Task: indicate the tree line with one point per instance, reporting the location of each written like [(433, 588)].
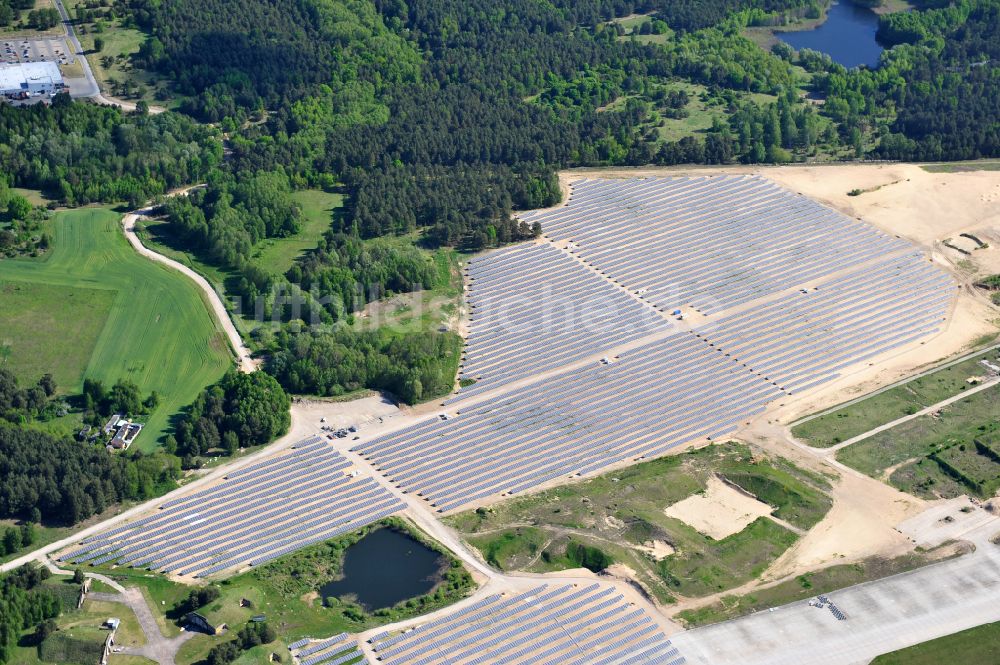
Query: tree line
[(19, 403), (80, 153), (412, 366), (226, 220), (22, 225), (239, 411), (10, 10), (47, 479)]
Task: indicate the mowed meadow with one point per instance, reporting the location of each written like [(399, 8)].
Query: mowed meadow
[(94, 308)]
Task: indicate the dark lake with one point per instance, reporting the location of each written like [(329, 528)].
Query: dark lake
[(847, 36), (384, 568)]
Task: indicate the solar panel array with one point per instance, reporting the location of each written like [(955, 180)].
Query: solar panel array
[(806, 291), (804, 339), (258, 513), (643, 403), (536, 308), (336, 650), (550, 625), (709, 242)]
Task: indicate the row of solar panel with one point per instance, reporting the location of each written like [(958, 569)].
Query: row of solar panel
[(276, 507), (711, 243), (564, 624), (642, 404), (551, 312)]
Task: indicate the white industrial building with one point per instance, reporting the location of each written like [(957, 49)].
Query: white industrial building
[(30, 77)]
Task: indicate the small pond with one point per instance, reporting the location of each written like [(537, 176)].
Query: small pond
[(847, 36), (384, 568)]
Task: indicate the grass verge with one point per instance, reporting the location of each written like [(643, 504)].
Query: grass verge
[(903, 400), (942, 455), (976, 646)]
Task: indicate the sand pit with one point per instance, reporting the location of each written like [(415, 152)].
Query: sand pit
[(720, 511), (658, 549)]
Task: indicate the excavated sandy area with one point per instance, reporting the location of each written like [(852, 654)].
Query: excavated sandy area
[(718, 512)]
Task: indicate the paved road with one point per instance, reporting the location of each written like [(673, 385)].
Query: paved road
[(91, 89), (883, 616)]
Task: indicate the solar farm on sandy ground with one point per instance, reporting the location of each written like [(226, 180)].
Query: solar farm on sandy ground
[(656, 312), (653, 313)]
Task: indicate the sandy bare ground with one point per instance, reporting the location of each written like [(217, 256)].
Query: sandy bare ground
[(860, 524), (719, 512), (658, 549)]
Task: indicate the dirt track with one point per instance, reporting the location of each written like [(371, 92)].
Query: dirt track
[(245, 360)]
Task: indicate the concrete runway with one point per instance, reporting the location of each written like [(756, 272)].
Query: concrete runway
[(882, 616)]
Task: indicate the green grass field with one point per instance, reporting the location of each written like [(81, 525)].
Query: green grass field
[(905, 451), (157, 332), (976, 646), (850, 421), (42, 321), (318, 209), (621, 513)]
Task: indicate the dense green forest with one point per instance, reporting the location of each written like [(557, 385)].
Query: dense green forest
[(446, 115), (24, 603), (240, 411), (82, 153), (414, 367), (10, 10), (45, 479)]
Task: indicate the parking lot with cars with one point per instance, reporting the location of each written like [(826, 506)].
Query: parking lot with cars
[(51, 49)]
